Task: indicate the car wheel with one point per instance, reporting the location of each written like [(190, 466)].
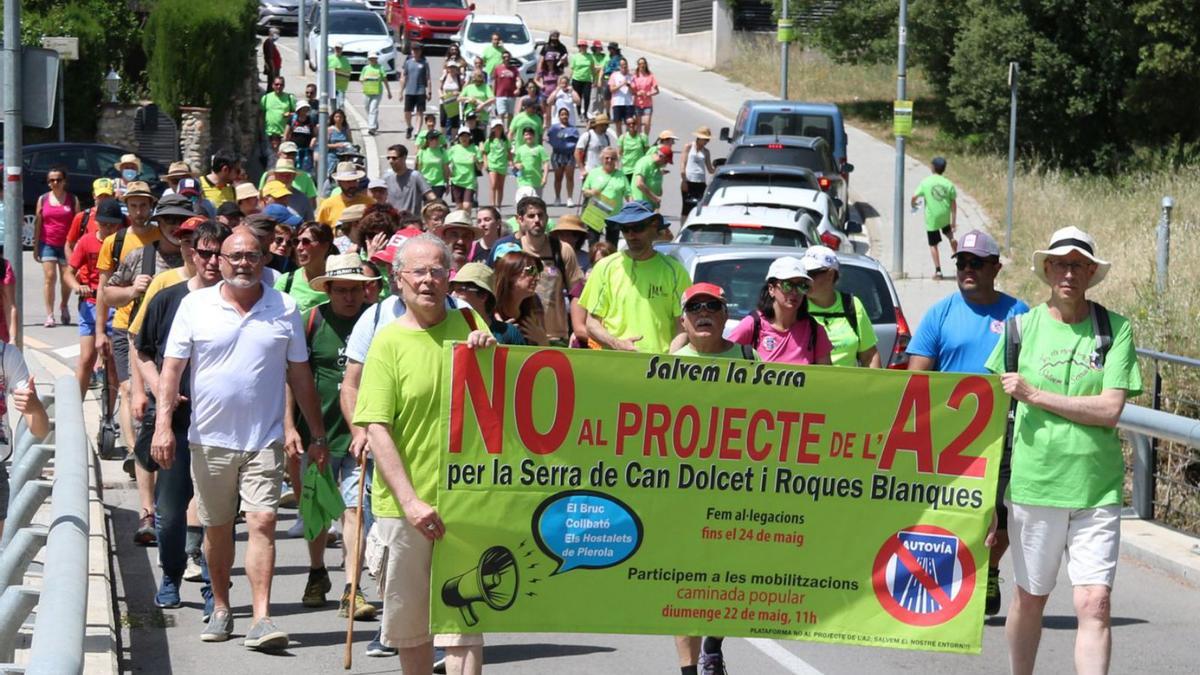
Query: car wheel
[(27, 232)]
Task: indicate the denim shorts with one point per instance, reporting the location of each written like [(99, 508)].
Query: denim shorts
[(52, 253), (87, 319)]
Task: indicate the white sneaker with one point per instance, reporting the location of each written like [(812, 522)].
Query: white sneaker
[(570, 203), (296, 531)]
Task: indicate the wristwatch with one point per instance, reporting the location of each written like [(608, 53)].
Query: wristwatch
[(320, 440)]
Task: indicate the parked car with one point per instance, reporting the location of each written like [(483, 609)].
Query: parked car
[(360, 31), (751, 226), (809, 152), (281, 14), (84, 162), (791, 118), (426, 21), (741, 271), (476, 34)]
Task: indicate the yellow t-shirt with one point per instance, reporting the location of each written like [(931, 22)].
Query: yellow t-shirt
[(637, 298), (331, 209), (215, 194), (106, 262), (161, 282)]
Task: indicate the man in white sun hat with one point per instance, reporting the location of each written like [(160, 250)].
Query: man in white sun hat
[(459, 231), (1070, 365)]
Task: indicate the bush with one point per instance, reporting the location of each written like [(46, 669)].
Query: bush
[(199, 52)]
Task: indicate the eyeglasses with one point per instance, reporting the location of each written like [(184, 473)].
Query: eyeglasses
[(425, 272), (305, 241), (252, 257), (531, 271), (635, 228), (1062, 266), (206, 255), (283, 241), (972, 262), (795, 286), (710, 306), (468, 288)]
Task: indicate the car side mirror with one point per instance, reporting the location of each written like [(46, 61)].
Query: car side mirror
[(847, 168), (854, 227), (725, 134), (720, 162)]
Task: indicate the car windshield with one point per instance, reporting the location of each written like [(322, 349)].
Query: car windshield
[(751, 235), (805, 181), (356, 23), (439, 4), (743, 281), (806, 158), (793, 124), (510, 33)]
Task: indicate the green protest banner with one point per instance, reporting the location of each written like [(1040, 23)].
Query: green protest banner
[(598, 208), (589, 491)]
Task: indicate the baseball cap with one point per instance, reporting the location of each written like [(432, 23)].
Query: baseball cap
[(188, 187), (283, 215), (276, 190), (787, 267), (979, 243), (819, 258), (702, 289), (376, 184), (597, 43), (288, 146), (102, 186), (189, 226), (581, 43), (667, 152), (110, 212)]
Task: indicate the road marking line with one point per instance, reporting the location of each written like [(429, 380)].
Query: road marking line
[(68, 352), (780, 654), (35, 343)]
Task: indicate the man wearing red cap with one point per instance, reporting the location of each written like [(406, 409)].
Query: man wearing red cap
[(648, 177)]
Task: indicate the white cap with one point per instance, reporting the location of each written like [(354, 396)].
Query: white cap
[(338, 44), (820, 258), (787, 267), (496, 122), (461, 131), (373, 54), (376, 183)]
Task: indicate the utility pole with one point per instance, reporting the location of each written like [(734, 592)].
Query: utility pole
[(323, 97), (898, 200), (575, 25), (784, 22), (14, 209), (301, 38), (1013, 69)]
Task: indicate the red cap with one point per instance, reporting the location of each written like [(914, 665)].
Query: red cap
[(597, 43), (666, 151), (189, 226), (711, 290), (582, 42)]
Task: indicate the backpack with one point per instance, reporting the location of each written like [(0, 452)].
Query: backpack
[(149, 253), (83, 223), (848, 311), (812, 331)]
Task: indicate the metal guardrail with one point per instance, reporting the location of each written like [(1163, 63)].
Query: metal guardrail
[(1147, 426), (61, 603)]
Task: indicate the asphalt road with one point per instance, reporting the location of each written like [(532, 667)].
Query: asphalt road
[(1155, 625)]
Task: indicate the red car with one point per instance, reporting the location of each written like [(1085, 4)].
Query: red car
[(426, 21)]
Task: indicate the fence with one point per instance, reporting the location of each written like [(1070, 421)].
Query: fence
[(61, 602)]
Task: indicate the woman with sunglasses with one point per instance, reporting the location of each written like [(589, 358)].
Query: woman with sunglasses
[(51, 221), (314, 243), (517, 303), (282, 248), (780, 330), (854, 342)]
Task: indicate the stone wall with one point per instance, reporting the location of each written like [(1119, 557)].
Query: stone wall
[(116, 126), (195, 137), (241, 131)]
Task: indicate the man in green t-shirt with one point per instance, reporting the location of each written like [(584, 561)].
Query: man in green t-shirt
[(632, 297), (399, 403), (647, 177), (1068, 470), (326, 329), (941, 211), (276, 105), (374, 82), (532, 161), (527, 119), (493, 54), (340, 66)]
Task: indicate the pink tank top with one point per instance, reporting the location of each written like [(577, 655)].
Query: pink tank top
[(56, 219)]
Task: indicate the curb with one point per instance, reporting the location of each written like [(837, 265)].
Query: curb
[(1162, 548), (100, 640)]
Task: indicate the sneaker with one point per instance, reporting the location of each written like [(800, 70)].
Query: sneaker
[(712, 664), (288, 500), (363, 610), (49, 323), (145, 536), (296, 531), (264, 635), (377, 648), (66, 316), (333, 539), (193, 572), (992, 604), (316, 588), (439, 660), (219, 628), (408, 133), (129, 464), (570, 203), (937, 274), (168, 594)]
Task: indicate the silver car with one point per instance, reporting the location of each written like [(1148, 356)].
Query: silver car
[(282, 14), (742, 270)]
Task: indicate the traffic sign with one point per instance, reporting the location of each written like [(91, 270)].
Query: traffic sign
[(924, 575), (902, 118), (67, 47), (39, 86)]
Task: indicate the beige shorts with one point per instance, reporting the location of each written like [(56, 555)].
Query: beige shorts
[(1040, 535), (222, 475), (405, 589)]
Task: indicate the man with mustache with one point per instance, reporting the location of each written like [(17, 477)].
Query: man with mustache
[(459, 233)]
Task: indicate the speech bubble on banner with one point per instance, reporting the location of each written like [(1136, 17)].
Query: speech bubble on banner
[(586, 529)]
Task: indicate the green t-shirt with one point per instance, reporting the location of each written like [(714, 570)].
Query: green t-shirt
[(433, 163), (275, 109), (613, 186), (326, 358), (341, 66), (846, 343), (633, 148), (651, 173), (582, 67), (939, 194), (295, 284), (462, 165), (634, 298), (402, 387), (735, 351), (522, 121), (1056, 462), (479, 93), (371, 78), (302, 182), (492, 56), (498, 151), (531, 159)]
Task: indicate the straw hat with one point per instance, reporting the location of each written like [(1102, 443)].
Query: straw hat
[(179, 170), (344, 267), (245, 191), (284, 165), (129, 158), (461, 219), (349, 171), (1063, 242), (703, 132), (476, 273), (138, 188), (569, 223), (352, 214)]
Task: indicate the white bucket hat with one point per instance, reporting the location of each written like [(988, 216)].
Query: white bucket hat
[(1064, 241), (344, 267)]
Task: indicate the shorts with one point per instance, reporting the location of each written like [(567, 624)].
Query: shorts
[(405, 589), (642, 112), (414, 102), (935, 238), (505, 105), (222, 475), (562, 159), (120, 351), (87, 319), (621, 113), (1038, 536), (51, 253), (459, 194)]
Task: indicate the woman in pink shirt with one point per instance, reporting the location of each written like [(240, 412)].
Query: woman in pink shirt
[(52, 220), (645, 88), (777, 330)]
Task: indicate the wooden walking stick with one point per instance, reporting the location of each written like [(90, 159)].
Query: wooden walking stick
[(356, 564)]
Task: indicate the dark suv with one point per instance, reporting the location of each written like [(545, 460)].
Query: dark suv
[(812, 153)]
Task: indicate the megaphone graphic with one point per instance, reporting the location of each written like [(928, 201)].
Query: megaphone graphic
[(494, 581)]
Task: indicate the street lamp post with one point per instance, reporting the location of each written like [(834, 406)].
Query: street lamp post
[(112, 84), (898, 196), (13, 198)]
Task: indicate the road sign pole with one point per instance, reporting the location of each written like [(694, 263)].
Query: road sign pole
[(1013, 69), (898, 197), (300, 36), (323, 97), (783, 52), (62, 106), (13, 199)]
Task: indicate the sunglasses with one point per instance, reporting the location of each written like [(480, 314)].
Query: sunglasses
[(635, 227), (795, 286), (531, 271), (468, 288), (393, 158), (305, 241), (207, 255), (973, 263), (710, 306), (283, 241)]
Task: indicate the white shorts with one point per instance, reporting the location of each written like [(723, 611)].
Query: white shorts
[(1039, 535), (505, 105)]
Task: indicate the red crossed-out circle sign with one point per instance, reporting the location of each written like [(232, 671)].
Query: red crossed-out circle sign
[(949, 607)]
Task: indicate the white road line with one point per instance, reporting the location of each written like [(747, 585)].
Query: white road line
[(779, 654), (68, 352)]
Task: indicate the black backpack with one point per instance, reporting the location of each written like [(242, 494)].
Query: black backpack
[(848, 311)]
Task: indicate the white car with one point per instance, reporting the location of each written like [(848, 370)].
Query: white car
[(797, 205), (476, 34), (754, 226), (360, 31)]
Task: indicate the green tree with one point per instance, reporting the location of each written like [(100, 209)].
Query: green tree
[(1164, 96)]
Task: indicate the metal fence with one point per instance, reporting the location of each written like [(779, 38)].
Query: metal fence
[(61, 602)]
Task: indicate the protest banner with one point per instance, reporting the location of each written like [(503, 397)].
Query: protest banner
[(589, 491)]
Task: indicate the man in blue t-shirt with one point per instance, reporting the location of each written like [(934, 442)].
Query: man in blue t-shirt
[(958, 335)]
